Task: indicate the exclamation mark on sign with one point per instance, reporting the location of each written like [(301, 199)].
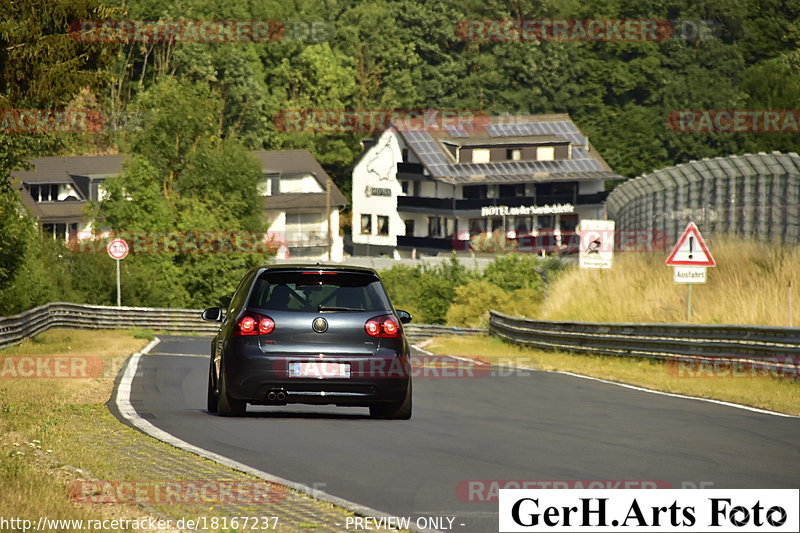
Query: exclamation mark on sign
[(691, 246)]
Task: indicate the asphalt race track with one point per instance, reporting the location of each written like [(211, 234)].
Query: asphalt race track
[(534, 426)]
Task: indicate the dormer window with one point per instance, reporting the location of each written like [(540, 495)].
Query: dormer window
[(52, 192), (481, 155), (545, 153)]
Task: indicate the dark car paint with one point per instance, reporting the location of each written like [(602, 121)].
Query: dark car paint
[(256, 365)]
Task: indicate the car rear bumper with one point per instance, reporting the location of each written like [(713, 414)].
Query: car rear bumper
[(372, 378)]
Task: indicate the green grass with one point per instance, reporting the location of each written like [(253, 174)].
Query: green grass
[(41, 421), (749, 285), (57, 431), (776, 394)]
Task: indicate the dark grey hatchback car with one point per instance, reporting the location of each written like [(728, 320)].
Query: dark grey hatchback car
[(310, 334)]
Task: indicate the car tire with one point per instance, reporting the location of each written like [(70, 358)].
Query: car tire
[(211, 403), (393, 410), (227, 406)]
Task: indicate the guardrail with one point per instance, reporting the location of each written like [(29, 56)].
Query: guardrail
[(15, 329), (764, 346)]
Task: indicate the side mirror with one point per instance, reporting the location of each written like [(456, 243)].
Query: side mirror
[(213, 314), (404, 316)]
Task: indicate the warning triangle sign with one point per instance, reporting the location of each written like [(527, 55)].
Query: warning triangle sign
[(691, 250)]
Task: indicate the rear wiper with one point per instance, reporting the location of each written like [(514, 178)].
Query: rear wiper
[(327, 308)]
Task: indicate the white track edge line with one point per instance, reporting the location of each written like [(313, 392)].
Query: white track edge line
[(127, 411), (642, 389)]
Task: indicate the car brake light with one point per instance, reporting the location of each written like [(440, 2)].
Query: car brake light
[(384, 326), (254, 324), (266, 325)]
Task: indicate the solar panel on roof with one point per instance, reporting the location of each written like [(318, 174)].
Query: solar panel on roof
[(456, 131)]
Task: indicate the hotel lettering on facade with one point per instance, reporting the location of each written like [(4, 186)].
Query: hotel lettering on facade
[(530, 179)]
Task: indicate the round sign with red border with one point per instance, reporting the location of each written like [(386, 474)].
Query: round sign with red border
[(118, 249)]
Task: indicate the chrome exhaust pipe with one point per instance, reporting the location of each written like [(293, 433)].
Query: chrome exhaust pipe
[(271, 396), (281, 396)]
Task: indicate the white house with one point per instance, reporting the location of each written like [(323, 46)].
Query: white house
[(301, 203), (530, 177)]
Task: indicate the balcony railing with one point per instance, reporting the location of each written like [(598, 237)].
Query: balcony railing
[(426, 242), (515, 201), (409, 168)]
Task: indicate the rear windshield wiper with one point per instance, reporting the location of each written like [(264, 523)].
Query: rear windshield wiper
[(327, 308)]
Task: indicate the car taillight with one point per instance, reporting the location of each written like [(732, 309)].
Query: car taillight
[(254, 324), (384, 326)]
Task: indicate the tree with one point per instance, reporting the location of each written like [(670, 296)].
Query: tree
[(185, 179), (42, 69)]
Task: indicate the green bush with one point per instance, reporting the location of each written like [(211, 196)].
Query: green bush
[(517, 271), (473, 301), (426, 291), (450, 293)]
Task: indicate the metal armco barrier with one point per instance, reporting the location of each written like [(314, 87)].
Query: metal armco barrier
[(15, 329), (760, 345)]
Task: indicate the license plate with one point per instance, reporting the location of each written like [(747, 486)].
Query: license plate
[(319, 370)]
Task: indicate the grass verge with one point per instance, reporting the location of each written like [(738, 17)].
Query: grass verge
[(776, 394), (58, 431)]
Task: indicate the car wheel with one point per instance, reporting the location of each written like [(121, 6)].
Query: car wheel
[(394, 410), (211, 403), (227, 406)]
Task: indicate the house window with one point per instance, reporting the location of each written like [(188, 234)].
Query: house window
[(568, 223), (434, 226), (475, 191), (57, 231), (101, 191), (383, 225), (366, 224), (305, 228), (481, 155), (47, 192), (405, 155), (409, 228), (405, 186), (512, 191), (522, 225), (545, 153), (417, 188), (477, 225), (514, 154), (544, 222), (264, 186)]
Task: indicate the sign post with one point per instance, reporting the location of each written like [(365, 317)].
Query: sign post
[(690, 257), (118, 250)]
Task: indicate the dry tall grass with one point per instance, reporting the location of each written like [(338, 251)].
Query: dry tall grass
[(749, 285)]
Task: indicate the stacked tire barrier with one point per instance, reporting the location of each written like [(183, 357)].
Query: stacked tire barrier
[(15, 329), (759, 346)]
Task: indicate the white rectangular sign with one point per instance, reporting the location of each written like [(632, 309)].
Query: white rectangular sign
[(690, 275), (597, 243), (644, 510)]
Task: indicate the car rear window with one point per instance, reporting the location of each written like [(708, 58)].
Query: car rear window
[(332, 291)]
